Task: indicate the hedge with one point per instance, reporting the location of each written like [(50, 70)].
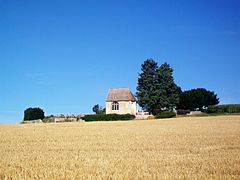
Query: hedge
[(48, 120), (165, 114), (108, 117), (228, 108)]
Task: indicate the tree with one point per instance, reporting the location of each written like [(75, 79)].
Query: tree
[(103, 111), (33, 113), (156, 88), (197, 98), (168, 92), (98, 109), (146, 93)]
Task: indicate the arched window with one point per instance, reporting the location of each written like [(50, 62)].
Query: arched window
[(115, 106)]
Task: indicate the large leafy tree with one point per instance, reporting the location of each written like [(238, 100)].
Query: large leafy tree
[(33, 114), (156, 88), (197, 98), (146, 91), (168, 92)]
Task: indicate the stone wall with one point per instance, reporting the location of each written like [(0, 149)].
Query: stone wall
[(37, 121)]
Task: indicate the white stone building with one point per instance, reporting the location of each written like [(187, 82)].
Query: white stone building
[(121, 101)]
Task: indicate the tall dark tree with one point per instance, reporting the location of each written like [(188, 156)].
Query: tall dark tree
[(146, 91), (168, 92), (98, 109), (197, 98), (33, 114), (156, 88)]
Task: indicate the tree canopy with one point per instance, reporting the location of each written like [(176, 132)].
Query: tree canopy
[(146, 93), (98, 109), (197, 98), (156, 88), (168, 92), (33, 114)]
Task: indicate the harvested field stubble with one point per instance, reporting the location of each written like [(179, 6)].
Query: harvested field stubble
[(197, 147)]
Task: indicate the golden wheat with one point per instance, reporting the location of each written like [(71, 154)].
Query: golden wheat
[(182, 148)]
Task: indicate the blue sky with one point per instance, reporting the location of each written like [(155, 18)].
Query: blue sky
[(63, 55)]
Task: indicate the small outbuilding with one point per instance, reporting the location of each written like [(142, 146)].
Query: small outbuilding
[(121, 101)]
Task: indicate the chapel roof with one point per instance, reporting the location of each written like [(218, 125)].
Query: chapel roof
[(120, 94)]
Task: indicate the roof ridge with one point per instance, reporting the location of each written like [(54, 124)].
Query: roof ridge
[(120, 94)]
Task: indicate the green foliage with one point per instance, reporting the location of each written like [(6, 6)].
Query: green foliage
[(147, 97), (108, 117), (165, 114), (98, 109), (229, 108), (103, 111), (48, 120), (167, 91), (33, 114), (197, 98), (156, 88)]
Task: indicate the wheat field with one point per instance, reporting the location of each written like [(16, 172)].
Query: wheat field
[(180, 148)]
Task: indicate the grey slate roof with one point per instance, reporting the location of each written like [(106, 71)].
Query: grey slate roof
[(120, 94)]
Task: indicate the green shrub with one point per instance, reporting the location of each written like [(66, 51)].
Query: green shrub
[(165, 114), (228, 108), (48, 120), (33, 114), (108, 117)]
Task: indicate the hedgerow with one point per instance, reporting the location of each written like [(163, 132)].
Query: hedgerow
[(165, 114), (228, 108), (108, 117)]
